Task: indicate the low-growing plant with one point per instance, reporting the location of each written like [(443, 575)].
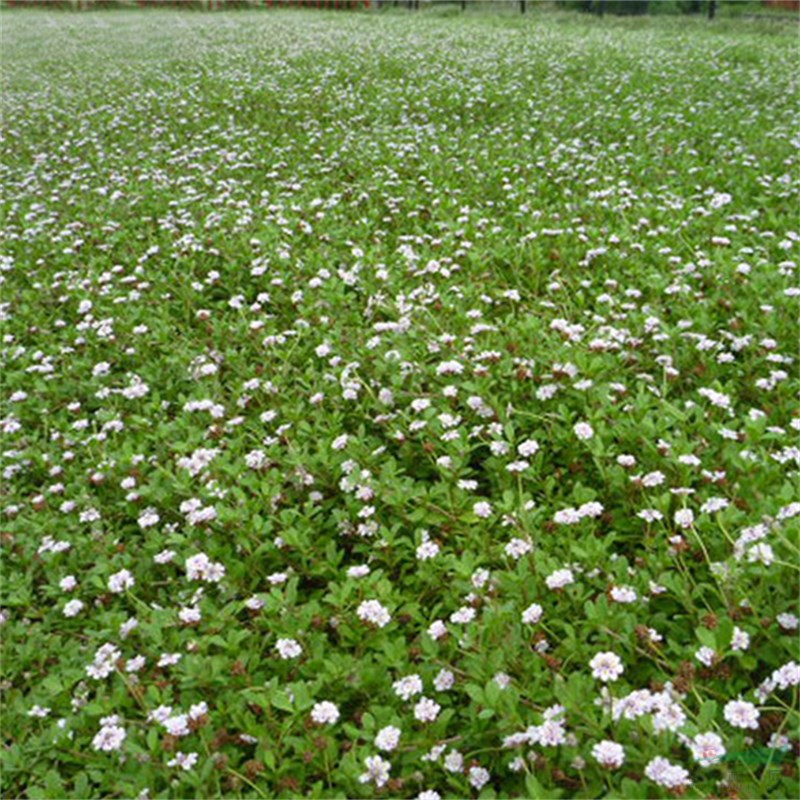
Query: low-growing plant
[(398, 406)]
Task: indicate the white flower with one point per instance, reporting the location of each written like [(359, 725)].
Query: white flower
[(532, 614), (482, 509), (105, 660), (426, 710), (177, 725), (340, 442), (706, 656), (408, 686), (653, 479), (684, 518), (160, 714), (559, 579), (669, 717), (517, 548), (359, 571), (606, 667), (449, 368), (73, 608), (68, 584), (623, 594), (135, 664), (707, 749), (120, 581), (377, 771), (183, 760), (387, 738), (666, 774), (715, 398), (761, 552), (371, 611), (148, 518), (714, 504), (200, 568), (740, 640), (567, 516), (288, 648), (255, 459), (444, 680), (502, 679), (741, 714), (454, 761), (478, 777), (789, 622), (190, 615), (427, 550), (109, 738), (591, 509), (550, 733), (480, 577), (437, 629), (609, 754), (324, 713), (463, 615), (528, 448), (584, 431)]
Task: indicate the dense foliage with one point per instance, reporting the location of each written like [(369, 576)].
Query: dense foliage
[(399, 407)]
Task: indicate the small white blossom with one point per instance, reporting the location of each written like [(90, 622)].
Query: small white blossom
[(606, 666), (109, 738), (707, 749), (706, 656), (740, 640), (559, 579), (408, 686), (372, 612), (666, 774), (288, 648), (532, 614), (73, 608), (478, 777), (426, 710), (325, 713), (120, 581), (482, 509), (444, 680), (387, 738), (741, 714), (377, 771), (609, 754)]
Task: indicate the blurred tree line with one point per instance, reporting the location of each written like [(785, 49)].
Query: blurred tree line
[(598, 7)]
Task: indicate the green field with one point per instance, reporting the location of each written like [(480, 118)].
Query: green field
[(399, 405)]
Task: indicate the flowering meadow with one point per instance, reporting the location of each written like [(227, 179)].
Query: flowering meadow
[(399, 406)]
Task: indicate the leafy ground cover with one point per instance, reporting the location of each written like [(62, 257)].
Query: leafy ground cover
[(399, 406)]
